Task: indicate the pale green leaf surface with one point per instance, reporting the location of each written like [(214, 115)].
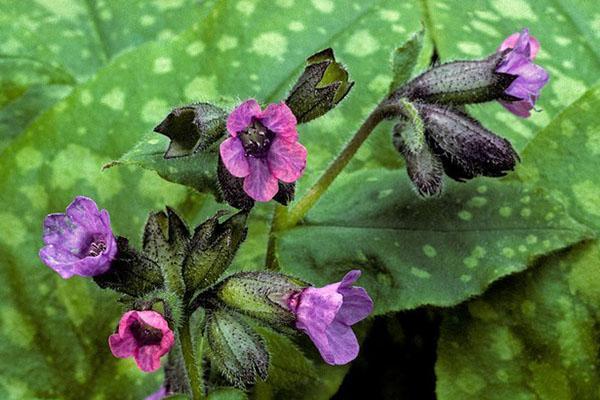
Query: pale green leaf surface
[(535, 336), (63, 43), (415, 252)]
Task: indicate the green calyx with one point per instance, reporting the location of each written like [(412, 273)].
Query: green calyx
[(323, 84)]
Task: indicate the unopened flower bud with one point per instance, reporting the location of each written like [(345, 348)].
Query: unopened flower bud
[(192, 128), (459, 82), (423, 167), (322, 85), (235, 348), (464, 146), (263, 295), (212, 249)]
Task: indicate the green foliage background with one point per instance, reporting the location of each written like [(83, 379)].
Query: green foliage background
[(82, 81)]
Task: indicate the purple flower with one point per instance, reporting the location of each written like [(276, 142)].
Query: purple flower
[(263, 148), (525, 89), (326, 315), (143, 335), (79, 242), (159, 394)]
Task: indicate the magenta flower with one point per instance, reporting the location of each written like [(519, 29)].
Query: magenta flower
[(143, 335), (531, 78), (326, 315), (159, 394), (79, 242), (263, 148)]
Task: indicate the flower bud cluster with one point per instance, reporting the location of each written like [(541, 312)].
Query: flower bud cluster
[(456, 143)]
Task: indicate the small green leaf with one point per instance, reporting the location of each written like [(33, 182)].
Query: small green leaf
[(404, 59), (227, 394), (414, 252), (197, 170)]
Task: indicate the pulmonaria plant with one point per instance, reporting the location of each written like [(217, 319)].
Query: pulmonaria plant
[(263, 148), (80, 241), (175, 287)]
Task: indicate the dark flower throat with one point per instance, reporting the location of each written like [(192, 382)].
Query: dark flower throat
[(256, 140), (145, 335)]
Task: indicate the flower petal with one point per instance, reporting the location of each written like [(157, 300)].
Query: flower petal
[(281, 120), (234, 157), (159, 394), (260, 184), (357, 305), (147, 358), (350, 277), (343, 345), (242, 115), (522, 42), (287, 160), (317, 308), (84, 212), (60, 260), (121, 347)]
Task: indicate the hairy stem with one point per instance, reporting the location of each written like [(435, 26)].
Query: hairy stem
[(383, 111), (279, 216), (282, 219), (191, 363)]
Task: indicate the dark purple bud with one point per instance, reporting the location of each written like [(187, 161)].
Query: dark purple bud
[(192, 128), (322, 85), (465, 148), (459, 82)]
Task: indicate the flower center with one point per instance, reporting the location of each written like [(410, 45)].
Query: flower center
[(96, 248), (145, 335), (256, 140)]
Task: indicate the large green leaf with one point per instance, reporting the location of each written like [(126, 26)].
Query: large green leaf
[(61, 153), (47, 47), (569, 51), (536, 335), (415, 252)]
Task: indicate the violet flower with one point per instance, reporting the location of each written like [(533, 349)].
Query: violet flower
[(159, 394), (143, 335), (79, 242), (531, 78), (326, 315), (263, 148)]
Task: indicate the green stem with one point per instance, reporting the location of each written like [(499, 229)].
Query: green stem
[(279, 216), (383, 111), (189, 359)]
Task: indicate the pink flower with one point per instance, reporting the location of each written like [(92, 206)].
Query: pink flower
[(263, 148), (143, 335), (531, 78), (326, 314), (159, 394)]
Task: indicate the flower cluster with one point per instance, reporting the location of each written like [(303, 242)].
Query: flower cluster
[(436, 135), (169, 249)]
